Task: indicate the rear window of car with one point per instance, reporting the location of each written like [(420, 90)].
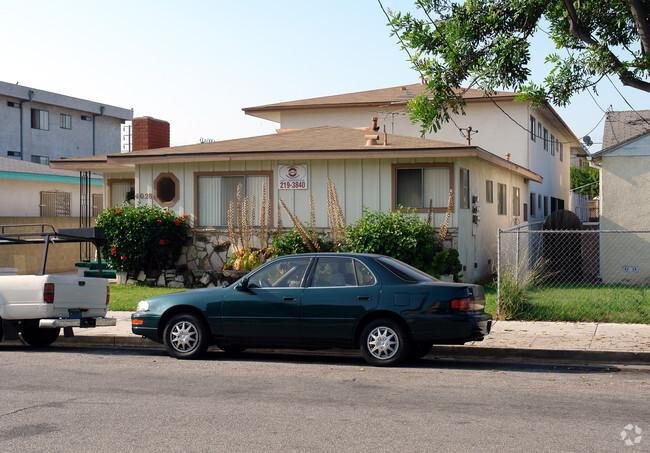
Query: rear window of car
[(404, 271)]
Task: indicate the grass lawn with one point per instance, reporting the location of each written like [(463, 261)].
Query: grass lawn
[(623, 304), (126, 297), (545, 303)]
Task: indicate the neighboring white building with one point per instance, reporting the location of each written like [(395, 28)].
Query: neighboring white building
[(538, 140), (34, 190), (39, 126)]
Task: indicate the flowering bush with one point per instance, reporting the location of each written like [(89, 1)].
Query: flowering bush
[(142, 237)]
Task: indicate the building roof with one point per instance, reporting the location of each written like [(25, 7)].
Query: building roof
[(399, 95), (634, 150), (23, 93), (324, 142), (622, 126), (20, 169)]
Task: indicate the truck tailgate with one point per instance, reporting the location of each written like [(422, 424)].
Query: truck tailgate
[(21, 296)]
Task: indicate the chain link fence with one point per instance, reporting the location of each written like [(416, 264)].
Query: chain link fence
[(573, 275)]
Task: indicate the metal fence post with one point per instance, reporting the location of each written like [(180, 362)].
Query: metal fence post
[(499, 273)]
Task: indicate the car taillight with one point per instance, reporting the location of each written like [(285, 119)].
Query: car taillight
[(461, 304), (108, 294), (48, 293)]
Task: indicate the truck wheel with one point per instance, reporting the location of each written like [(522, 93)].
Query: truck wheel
[(384, 343), (37, 337), (185, 336)]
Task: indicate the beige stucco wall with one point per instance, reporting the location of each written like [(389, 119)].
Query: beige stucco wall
[(23, 197), (359, 183), (625, 192), (28, 259), (497, 133)]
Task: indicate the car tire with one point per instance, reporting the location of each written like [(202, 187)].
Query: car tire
[(185, 336), (384, 342), (37, 337)]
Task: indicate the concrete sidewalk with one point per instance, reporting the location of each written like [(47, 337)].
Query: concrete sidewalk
[(509, 340)]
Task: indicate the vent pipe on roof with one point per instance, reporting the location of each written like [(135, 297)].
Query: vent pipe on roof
[(385, 135), (371, 139), (374, 124), (508, 156)]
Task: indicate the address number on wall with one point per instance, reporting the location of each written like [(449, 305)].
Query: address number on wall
[(143, 196)]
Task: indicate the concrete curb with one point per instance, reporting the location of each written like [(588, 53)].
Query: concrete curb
[(438, 352)]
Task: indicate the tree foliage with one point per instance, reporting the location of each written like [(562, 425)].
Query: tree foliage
[(585, 180), (485, 44)]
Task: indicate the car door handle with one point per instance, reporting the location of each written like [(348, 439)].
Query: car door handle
[(290, 299), (364, 297)]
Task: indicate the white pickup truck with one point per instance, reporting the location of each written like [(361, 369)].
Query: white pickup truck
[(38, 306)]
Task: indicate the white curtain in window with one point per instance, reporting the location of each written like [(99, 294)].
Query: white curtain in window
[(118, 192), (209, 201), (254, 186), (436, 186)]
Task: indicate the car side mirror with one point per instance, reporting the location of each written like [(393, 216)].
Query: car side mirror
[(242, 285)]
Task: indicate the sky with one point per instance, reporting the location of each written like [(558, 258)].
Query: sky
[(197, 63)]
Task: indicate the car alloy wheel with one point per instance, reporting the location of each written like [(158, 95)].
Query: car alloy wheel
[(185, 336), (384, 343)]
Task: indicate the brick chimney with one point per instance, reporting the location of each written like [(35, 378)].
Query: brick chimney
[(149, 133)]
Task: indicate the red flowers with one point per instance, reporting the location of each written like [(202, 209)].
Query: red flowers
[(117, 211), (161, 242), (113, 251), (124, 258), (178, 222)]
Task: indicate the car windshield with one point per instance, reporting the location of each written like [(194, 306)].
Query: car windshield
[(404, 271)]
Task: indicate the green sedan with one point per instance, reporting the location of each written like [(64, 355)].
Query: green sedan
[(388, 309)]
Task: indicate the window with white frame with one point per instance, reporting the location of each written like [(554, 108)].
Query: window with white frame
[(215, 192), (533, 128), (516, 202), (417, 185), (502, 199), (489, 192), (66, 121), (552, 145), (545, 139), (464, 188), (40, 119), (545, 205), (561, 152), (43, 160), (533, 205), (539, 129)]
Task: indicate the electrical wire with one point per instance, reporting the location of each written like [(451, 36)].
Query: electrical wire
[(532, 133)]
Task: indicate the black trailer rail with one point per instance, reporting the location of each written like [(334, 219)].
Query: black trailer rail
[(43, 233)]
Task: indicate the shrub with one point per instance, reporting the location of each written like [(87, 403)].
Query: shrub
[(515, 283), (405, 236), (290, 242), (142, 237)]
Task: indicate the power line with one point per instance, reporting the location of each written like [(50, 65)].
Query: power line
[(629, 105), (486, 94)]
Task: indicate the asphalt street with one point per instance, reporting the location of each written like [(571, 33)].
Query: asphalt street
[(98, 399)]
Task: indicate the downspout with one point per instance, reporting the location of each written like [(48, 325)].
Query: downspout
[(101, 113), (30, 95)]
